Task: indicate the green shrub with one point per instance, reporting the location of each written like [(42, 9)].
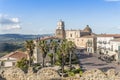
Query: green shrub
[(71, 73), (66, 71), (57, 63), (76, 70), (81, 72)]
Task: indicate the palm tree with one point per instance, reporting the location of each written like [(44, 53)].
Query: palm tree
[(53, 46), (64, 50), (30, 48), (43, 49), (71, 48)]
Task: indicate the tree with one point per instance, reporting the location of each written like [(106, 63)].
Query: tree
[(30, 48), (44, 48), (51, 57), (71, 48), (23, 64), (63, 51), (53, 47)]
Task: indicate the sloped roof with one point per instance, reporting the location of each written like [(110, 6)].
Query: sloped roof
[(17, 54)]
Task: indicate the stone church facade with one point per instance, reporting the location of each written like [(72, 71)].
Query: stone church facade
[(83, 39)]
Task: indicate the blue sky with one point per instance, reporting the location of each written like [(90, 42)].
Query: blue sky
[(41, 16)]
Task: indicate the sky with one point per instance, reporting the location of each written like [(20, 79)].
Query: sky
[(41, 16)]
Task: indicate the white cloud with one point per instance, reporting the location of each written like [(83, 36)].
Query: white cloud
[(11, 27), (112, 0), (8, 23)]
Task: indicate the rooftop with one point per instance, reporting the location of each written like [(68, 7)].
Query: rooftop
[(109, 35), (116, 40), (17, 54)]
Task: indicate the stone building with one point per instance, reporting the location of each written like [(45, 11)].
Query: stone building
[(79, 37), (88, 43)]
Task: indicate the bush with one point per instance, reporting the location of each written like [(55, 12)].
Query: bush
[(76, 70), (71, 73), (81, 72), (57, 63)]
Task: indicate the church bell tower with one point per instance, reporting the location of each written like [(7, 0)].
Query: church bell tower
[(60, 31)]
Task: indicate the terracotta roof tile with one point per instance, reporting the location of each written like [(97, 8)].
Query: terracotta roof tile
[(17, 54)]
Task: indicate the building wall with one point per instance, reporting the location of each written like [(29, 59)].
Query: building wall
[(60, 33), (8, 62), (103, 44), (114, 48), (37, 56), (81, 42), (91, 45), (74, 33), (77, 36), (84, 42)]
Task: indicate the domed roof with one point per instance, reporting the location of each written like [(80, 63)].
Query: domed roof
[(87, 29)]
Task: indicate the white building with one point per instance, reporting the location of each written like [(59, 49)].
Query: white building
[(114, 48), (103, 42), (11, 58)]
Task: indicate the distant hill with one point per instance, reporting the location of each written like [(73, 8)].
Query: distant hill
[(13, 42), (19, 37)]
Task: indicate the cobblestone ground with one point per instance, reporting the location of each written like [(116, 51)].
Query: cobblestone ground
[(88, 62)]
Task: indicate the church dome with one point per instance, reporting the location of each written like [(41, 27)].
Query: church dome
[(87, 29)]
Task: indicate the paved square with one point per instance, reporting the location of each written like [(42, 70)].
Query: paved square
[(91, 62)]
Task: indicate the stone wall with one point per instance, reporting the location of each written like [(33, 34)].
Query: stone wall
[(14, 73), (51, 74), (47, 74)]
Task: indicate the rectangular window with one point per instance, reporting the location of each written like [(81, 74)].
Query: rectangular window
[(70, 35)]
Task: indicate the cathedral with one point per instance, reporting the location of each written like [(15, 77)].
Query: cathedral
[(81, 38), (62, 33)]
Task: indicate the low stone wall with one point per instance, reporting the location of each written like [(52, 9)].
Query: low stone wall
[(47, 74), (96, 74), (14, 74), (51, 74)]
